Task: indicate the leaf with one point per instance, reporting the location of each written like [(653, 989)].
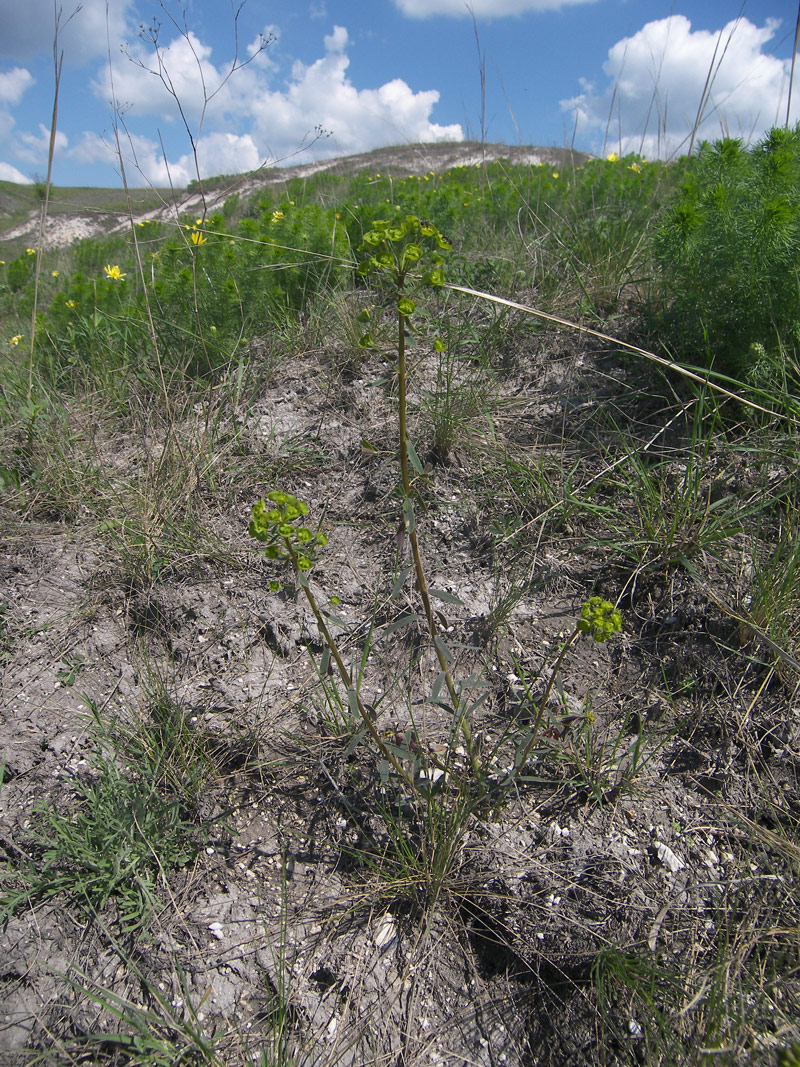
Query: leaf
[(404, 620), (446, 598), (355, 741), (408, 515), (400, 581), (443, 647), (413, 457), (436, 688)]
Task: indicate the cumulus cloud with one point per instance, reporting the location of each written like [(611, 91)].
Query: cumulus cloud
[(246, 121), (11, 174), (28, 27), (657, 88), (422, 9), (217, 153), (13, 84), (34, 148), (149, 85), (321, 95)]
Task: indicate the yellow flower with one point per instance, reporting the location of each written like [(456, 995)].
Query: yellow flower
[(635, 168), (197, 238), (612, 157), (113, 273), (31, 251), (555, 173), (16, 339), (71, 304), (277, 216), (54, 273), (198, 222), (2, 262)]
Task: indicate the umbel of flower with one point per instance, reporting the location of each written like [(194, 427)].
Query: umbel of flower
[(599, 618), (407, 250), (275, 522)]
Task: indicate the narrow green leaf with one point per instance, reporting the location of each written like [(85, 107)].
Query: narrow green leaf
[(413, 457), (404, 620), (355, 741), (436, 688), (408, 515), (446, 598), (400, 581), (443, 647)]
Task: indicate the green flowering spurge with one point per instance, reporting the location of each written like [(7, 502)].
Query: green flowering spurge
[(276, 523), (600, 620), (403, 257)]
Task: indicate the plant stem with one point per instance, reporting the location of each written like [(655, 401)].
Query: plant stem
[(343, 671), (520, 762), (422, 585)]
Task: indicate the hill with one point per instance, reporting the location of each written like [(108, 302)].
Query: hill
[(79, 213)]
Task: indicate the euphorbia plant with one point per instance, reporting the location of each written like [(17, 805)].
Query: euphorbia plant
[(404, 258), (275, 523)]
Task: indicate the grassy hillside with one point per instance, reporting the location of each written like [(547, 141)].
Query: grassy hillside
[(398, 625)]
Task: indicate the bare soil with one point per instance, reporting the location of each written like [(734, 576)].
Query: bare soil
[(286, 903)]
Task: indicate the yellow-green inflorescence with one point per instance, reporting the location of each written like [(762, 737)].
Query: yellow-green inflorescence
[(404, 250), (274, 521), (600, 619)]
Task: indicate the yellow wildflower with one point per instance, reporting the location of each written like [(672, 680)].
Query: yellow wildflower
[(277, 216), (54, 273), (31, 251), (16, 339), (71, 304), (635, 168), (197, 238), (612, 157), (555, 173), (114, 274)]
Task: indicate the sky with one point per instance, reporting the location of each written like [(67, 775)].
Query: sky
[(171, 87)]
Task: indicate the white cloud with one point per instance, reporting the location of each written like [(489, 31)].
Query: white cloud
[(246, 121), (13, 84), (321, 95), (421, 9), (34, 149), (28, 27), (657, 80), (11, 174), (218, 153)]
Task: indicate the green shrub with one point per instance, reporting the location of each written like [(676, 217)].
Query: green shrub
[(729, 256)]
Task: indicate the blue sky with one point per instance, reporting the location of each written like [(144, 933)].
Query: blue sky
[(605, 75)]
